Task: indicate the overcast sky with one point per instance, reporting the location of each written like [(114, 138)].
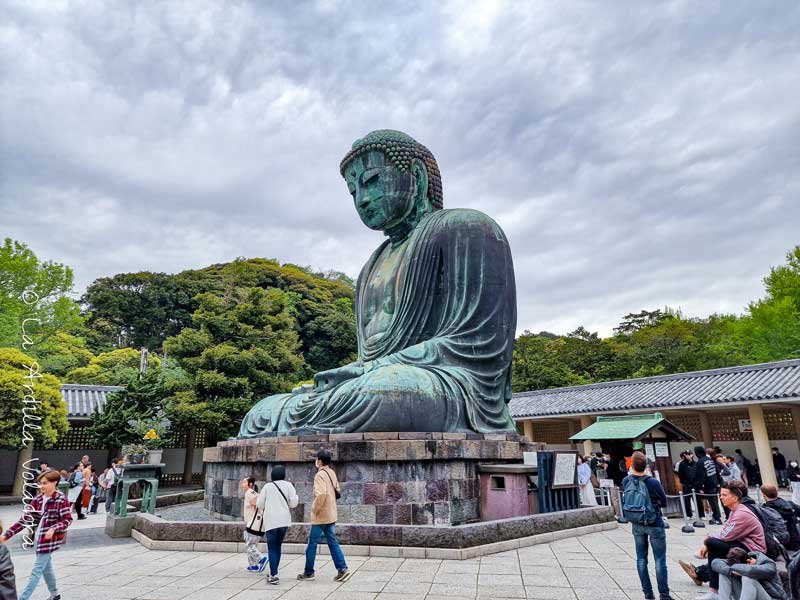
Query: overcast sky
[(637, 154)]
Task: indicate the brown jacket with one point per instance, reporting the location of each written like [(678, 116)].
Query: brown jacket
[(323, 510)]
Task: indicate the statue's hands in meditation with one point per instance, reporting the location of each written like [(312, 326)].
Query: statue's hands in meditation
[(327, 380), (435, 312)]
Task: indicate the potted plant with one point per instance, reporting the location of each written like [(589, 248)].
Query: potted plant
[(152, 430), (134, 453)]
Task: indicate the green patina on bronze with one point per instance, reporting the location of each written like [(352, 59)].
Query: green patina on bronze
[(435, 310)]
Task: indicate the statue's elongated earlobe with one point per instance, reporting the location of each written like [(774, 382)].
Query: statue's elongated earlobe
[(420, 175)]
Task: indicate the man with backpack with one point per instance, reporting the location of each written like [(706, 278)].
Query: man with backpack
[(789, 512), (642, 502), (775, 526), (742, 530)]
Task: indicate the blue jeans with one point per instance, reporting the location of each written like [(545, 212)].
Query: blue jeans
[(329, 531), (274, 541), (43, 565), (658, 542)]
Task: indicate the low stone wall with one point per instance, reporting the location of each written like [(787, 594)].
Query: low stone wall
[(409, 536), (386, 478), (432, 536), (170, 499)]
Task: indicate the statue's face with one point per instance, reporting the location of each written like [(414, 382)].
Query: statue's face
[(383, 195)]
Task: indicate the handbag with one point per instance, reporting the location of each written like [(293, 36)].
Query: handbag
[(336, 492)]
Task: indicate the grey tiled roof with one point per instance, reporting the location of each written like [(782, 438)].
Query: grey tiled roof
[(767, 381), (81, 399)]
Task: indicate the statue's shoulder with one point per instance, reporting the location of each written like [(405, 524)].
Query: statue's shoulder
[(467, 220)]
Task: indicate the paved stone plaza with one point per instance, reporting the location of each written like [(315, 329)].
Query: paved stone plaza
[(597, 566)]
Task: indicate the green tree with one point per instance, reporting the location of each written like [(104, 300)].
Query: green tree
[(243, 345), (34, 298), (62, 353), (117, 367), (144, 395), (31, 409), (331, 337), (538, 364)]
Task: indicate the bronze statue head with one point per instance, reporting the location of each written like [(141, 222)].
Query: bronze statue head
[(394, 180)]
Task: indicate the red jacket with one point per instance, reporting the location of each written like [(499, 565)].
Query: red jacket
[(54, 514)]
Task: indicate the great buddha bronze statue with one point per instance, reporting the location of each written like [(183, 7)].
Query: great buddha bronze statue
[(435, 309)]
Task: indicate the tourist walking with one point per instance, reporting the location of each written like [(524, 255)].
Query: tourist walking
[(793, 474), (113, 476), (779, 462), (323, 519), (686, 475), (75, 493), (276, 500), (742, 530), (642, 502), (585, 482), (744, 464), (52, 516), (707, 483), (744, 576), (94, 486), (253, 524)]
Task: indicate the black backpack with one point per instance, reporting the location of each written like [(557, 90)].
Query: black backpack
[(775, 532)]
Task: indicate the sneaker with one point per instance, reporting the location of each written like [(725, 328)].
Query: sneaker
[(305, 577), (343, 576), (707, 596), (273, 579), (253, 568), (690, 571), (715, 522), (262, 564), (58, 597)]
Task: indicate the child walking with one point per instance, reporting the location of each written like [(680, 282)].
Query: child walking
[(276, 500), (253, 525), (51, 515)]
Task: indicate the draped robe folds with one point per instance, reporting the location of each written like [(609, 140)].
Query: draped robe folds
[(444, 362)]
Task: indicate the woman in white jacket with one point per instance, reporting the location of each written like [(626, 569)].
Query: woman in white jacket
[(276, 500)]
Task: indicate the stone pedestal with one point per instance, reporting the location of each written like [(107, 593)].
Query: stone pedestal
[(386, 478), (119, 527)]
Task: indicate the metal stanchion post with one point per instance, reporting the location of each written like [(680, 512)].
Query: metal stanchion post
[(686, 527), (621, 518), (699, 510)]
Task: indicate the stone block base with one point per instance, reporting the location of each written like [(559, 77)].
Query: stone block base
[(406, 541), (119, 527), (386, 478)]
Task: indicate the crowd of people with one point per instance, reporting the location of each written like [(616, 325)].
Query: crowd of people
[(86, 487), (266, 512), (740, 560)]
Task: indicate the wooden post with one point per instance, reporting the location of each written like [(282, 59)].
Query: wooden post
[(588, 445), (23, 456), (528, 428), (705, 430), (796, 421), (191, 436), (572, 427), (761, 439)]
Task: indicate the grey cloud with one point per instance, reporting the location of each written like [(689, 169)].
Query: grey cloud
[(637, 155)]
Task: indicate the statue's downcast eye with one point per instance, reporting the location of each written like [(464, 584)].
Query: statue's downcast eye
[(372, 176)]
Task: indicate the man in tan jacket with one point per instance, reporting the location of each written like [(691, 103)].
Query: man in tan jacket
[(323, 519)]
